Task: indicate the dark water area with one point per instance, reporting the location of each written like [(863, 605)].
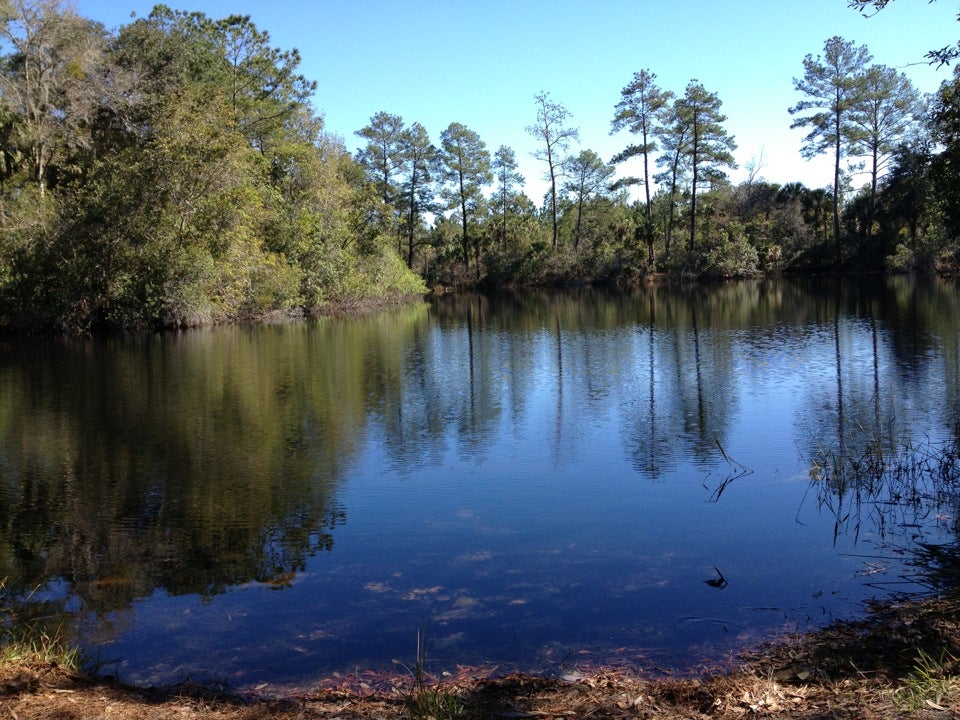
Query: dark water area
[(656, 477)]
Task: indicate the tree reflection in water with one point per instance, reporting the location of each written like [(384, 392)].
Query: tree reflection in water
[(531, 472)]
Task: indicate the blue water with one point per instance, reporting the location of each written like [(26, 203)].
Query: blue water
[(536, 487)]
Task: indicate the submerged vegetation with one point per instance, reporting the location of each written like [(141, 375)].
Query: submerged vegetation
[(174, 172)]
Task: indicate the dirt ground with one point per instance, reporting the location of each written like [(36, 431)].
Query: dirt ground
[(902, 662)]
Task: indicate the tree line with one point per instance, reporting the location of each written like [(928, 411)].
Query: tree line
[(173, 173)]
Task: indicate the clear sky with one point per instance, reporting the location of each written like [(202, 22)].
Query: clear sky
[(481, 63)]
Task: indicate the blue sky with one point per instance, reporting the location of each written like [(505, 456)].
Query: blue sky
[(482, 63)]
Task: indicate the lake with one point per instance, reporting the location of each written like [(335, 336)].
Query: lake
[(535, 481)]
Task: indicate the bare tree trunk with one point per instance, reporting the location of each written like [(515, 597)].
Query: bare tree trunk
[(836, 191), (553, 202), (463, 224), (873, 195), (693, 188)]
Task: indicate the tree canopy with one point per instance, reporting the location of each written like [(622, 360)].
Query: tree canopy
[(175, 172)]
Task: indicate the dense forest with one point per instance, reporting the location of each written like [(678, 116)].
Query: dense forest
[(174, 172)]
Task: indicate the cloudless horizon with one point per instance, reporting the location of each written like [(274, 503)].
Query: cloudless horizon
[(437, 62)]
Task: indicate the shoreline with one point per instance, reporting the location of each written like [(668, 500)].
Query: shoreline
[(902, 660)]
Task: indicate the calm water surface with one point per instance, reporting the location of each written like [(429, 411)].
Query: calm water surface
[(537, 479)]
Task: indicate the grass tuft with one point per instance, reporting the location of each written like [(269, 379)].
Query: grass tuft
[(435, 704), (929, 684), (426, 701), (27, 638)]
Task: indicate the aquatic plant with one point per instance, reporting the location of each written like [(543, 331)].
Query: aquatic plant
[(889, 485)]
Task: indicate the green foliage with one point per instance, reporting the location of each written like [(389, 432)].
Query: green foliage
[(554, 136), (466, 170), (506, 197), (709, 148), (833, 92), (378, 278), (642, 107), (383, 155), (419, 160), (588, 176), (946, 165), (217, 196), (52, 83), (731, 256)]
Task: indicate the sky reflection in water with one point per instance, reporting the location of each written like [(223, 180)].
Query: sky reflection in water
[(537, 479)]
